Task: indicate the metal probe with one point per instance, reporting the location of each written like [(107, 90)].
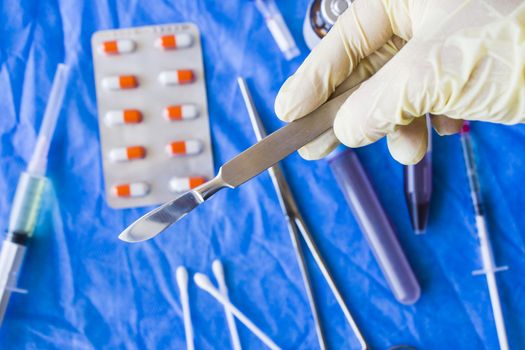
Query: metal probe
[(296, 226)]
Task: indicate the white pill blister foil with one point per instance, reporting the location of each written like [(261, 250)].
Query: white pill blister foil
[(152, 112)]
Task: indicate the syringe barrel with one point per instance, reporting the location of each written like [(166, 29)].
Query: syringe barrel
[(375, 225), (472, 174), (26, 204), (11, 258)]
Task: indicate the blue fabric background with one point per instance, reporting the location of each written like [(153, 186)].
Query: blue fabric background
[(88, 290)]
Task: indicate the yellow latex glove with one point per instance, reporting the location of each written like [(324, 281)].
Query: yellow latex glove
[(459, 59)]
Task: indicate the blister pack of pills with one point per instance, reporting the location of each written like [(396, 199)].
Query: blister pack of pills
[(153, 113)]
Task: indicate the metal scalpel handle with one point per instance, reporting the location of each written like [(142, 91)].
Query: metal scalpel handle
[(256, 159), (283, 142)]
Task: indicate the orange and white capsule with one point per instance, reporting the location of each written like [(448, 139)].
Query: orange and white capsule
[(117, 47), (177, 77), (135, 189), (174, 41), (125, 154), (181, 112), (120, 82), (183, 184), (123, 116), (184, 148)]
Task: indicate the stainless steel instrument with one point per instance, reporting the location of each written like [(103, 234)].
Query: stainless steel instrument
[(240, 169), (297, 228)]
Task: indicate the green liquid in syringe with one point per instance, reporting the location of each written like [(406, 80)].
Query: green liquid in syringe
[(26, 204)]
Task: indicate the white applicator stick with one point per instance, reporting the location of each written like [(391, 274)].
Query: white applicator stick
[(218, 272), (203, 282), (182, 281)]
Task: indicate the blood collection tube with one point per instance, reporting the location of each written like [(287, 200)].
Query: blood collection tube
[(418, 188), (375, 225)]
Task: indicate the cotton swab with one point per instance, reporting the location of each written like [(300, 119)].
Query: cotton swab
[(203, 282), (182, 281), (218, 272)]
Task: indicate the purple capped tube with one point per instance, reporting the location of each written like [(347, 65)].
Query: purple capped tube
[(418, 187)]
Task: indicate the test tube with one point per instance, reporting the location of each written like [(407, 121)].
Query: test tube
[(418, 187), (374, 224), (280, 32)]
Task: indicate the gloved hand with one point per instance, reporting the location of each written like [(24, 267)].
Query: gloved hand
[(463, 59)]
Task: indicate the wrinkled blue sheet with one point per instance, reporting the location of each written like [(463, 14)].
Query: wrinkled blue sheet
[(88, 290)]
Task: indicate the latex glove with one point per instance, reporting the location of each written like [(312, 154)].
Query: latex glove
[(462, 59)]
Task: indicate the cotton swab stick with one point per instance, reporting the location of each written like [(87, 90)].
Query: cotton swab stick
[(203, 282), (218, 272), (182, 281)]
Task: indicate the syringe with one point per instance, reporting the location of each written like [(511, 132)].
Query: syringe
[(277, 26), (487, 256), (28, 195)]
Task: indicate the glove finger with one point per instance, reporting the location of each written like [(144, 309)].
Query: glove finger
[(370, 65), (327, 142), (409, 143), (446, 126), (320, 147), (359, 31), (392, 97)]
